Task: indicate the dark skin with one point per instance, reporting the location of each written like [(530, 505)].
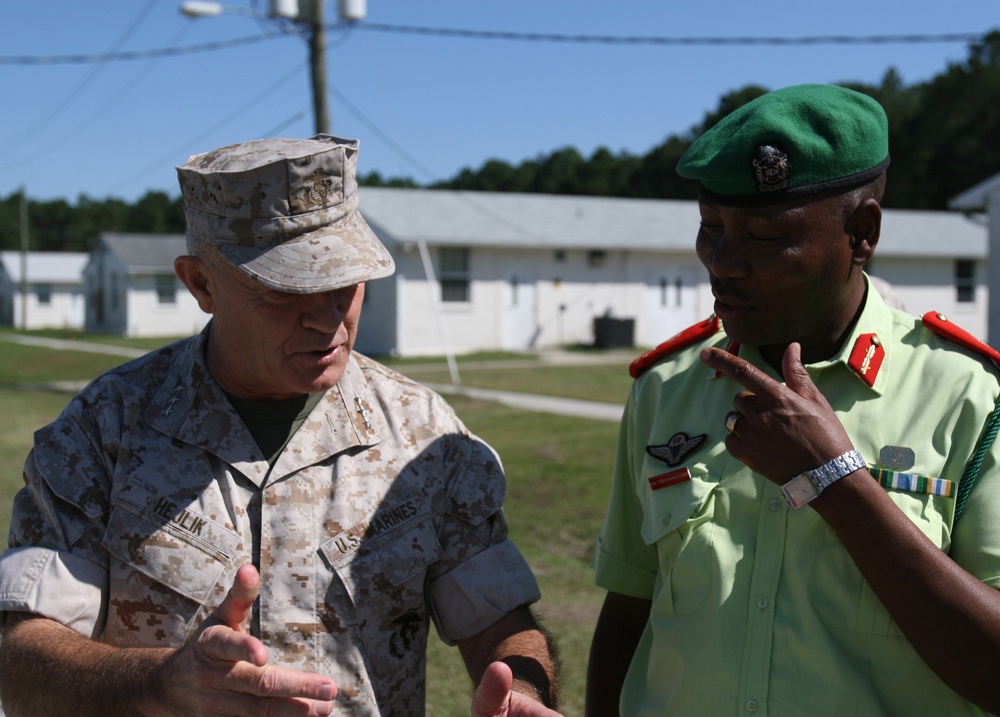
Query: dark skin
[(789, 281)]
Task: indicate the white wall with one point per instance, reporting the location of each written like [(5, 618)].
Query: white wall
[(104, 281), (559, 300), (147, 316), (531, 299), (65, 309), (924, 284)]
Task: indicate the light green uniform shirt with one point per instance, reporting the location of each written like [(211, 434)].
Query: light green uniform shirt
[(757, 609)]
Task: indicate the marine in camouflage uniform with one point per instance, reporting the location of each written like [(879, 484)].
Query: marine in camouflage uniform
[(380, 514)]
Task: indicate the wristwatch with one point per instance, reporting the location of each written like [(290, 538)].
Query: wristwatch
[(806, 486)]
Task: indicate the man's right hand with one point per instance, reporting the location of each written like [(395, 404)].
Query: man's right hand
[(223, 670)]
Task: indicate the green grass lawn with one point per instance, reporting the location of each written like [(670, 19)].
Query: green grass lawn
[(557, 471)]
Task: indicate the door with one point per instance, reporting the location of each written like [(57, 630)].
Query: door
[(519, 330)]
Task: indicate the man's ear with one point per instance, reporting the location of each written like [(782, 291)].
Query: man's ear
[(195, 275), (864, 227)]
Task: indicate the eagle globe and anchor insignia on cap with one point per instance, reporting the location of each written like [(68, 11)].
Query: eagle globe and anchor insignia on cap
[(317, 187), (771, 168)]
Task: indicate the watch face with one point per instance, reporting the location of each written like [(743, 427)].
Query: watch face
[(799, 491)]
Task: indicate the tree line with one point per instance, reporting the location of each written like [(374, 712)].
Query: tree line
[(944, 137)]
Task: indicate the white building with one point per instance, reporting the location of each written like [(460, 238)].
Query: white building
[(131, 287), (525, 271), (51, 297), (982, 203), (482, 271)]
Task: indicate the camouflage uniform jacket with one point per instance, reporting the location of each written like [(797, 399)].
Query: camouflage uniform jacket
[(144, 497)]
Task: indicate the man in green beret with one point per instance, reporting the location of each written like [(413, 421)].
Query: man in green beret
[(806, 497)]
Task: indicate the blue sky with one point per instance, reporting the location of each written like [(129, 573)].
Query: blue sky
[(423, 106)]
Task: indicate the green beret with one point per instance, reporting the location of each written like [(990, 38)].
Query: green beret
[(790, 143)]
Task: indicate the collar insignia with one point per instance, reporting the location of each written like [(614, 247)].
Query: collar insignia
[(673, 451), (772, 169), (866, 357)]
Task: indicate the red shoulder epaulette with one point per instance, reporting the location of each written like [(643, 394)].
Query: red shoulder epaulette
[(688, 336), (939, 324)]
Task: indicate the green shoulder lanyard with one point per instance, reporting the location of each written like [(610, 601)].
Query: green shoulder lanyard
[(971, 473)]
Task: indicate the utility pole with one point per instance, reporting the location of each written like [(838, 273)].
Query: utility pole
[(317, 67), (24, 258), (310, 15)]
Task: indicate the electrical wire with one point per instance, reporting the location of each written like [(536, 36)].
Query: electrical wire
[(33, 129), (172, 155), (653, 40), (105, 107), (964, 37)]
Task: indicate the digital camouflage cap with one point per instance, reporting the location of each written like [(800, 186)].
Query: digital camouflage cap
[(285, 212)]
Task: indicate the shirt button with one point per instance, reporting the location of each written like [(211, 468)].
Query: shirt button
[(666, 518), (762, 602), (775, 504), (752, 705)]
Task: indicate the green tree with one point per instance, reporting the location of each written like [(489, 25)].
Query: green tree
[(947, 142)]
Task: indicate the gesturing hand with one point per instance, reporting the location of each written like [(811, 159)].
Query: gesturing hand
[(223, 671), (495, 698), (779, 430)]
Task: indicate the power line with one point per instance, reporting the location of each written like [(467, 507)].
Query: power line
[(652, 40), (75, 131), (137, 55), (54, 113), (966, 37), (175, 153)]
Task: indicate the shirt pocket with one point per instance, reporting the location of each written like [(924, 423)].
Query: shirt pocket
[(840, 591), (389, 567), (678, 521), (169, 540), (383, 579)]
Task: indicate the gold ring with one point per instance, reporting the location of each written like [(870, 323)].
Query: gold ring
[(731, 419)]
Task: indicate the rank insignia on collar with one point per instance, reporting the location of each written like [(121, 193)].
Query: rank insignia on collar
[(866, 357), (674, 451), (771, 168)]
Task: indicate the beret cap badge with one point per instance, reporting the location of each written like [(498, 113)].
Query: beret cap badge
[(771, 168)]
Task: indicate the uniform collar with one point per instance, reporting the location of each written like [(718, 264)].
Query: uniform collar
[(346, 417), (190, 407), (866, 351)]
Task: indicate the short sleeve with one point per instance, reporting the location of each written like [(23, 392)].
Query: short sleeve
[(623, 562), (481, 575), (56, 566)]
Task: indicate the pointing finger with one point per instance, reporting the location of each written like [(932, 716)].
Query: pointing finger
[(741, 371)]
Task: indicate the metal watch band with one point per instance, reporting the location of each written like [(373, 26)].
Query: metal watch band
[(806, 486), (842, 465)]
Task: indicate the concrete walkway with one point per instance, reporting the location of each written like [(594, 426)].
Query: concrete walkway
[(67, 345), (527, 401), (535, 402)]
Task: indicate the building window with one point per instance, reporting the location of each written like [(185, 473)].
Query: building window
[(597, 257), (454, 274), (44, 294), (166, 289), (965, 281)]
